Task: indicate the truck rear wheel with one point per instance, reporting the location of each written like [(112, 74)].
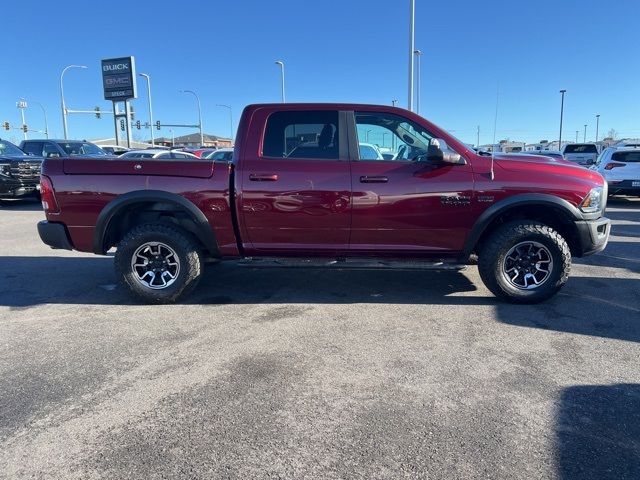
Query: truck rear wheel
[(524, 262), (158, 263)]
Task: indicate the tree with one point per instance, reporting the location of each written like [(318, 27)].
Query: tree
[(612, 134)]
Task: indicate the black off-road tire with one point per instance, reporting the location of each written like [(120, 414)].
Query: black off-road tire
[(186, 249), (495, 248)]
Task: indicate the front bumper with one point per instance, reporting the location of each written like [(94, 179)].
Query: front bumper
[(55, 235), (593, 235), (10, 188)]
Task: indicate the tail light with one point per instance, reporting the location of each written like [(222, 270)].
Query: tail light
[(612, 165), (49, 202)]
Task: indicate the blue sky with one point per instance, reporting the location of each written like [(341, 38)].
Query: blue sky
[(334, 50)]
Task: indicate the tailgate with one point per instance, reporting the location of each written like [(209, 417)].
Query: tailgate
[(114, 166)]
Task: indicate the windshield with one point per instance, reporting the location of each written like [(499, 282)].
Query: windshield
[(9, 149), (580, 149), (81, 148)]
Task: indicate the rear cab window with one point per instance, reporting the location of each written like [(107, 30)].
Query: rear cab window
[(578, 148), (302, 135)]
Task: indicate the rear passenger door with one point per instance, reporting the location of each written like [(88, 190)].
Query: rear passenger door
[(296, 188)]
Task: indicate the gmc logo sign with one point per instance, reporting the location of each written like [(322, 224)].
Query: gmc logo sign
[(117, 81)]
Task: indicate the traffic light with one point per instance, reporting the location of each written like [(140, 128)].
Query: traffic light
[(138, 124), (158, 125), (122, 124), (6, 125), (24, 128), (97, 109)]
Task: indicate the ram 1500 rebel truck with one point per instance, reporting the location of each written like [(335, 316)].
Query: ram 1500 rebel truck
[(298, 192), (19, 173)]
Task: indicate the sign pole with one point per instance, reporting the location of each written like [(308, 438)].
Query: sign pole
[(115, 121)]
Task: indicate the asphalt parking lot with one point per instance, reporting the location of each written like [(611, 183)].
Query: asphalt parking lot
[(316, 374)]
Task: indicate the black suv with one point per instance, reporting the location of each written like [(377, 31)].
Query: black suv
[(62, 148), (19, 172)]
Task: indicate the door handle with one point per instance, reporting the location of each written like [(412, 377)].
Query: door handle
[(367, 179), (263, 178)]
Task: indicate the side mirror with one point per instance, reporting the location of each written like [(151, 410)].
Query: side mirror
[(438, 153)]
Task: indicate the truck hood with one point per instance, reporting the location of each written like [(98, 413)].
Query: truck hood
[(538, 164), (137, 166)]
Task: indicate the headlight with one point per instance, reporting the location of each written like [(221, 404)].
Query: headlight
[(593, 201)]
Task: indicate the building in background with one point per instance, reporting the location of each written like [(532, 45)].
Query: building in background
[(193, 140)]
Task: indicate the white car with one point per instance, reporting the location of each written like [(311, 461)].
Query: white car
[(159, 154), (369, 151), (620, 167), (584, 154), (221, 155)]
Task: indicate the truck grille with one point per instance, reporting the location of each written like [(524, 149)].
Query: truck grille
[(26, 170)]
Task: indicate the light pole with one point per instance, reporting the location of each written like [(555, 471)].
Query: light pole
[(597, 126), (584, 139), (173, 138), (281, 63), (148, 79), (383, 134), (418, 54), (367, 135), (62, 104), (576, 136), (393, 102), (412, 24), (46, 124), (199, 114), (230, 119), (561, 113)]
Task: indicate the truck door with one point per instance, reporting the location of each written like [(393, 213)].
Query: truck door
[(401, 206), (295, 191)]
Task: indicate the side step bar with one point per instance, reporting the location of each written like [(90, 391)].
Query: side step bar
[(349, 263)]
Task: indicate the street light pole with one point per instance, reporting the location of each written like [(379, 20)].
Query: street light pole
[(148, 79), (62, 104), (199, 114), (418, 54), (281, 63), (46, 124), (584, 140), (412, 15), (393, 102), (230, 120), (576, 136), (597, 126), (561, 113)]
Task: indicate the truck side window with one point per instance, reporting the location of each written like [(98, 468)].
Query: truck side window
[(34, 148), (303, 134), (50, 151), (385, 136)]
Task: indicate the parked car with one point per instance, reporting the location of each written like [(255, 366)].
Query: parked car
[(203, 152), (62, 148), (547, 153), (19, 173), (369, 151), (555, 156), (620, 167), (157, 154), (221, 155), (307, 198), (581, 153), (116, 150)]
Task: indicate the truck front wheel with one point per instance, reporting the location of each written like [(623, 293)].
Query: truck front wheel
[(158, 263), (524, 262)]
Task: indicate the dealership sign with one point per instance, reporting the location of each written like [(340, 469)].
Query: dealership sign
[(119, 78)]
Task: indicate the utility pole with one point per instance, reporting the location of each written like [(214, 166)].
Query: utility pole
[(63, 105), (597, 126), (412, 15), (199, 114), (22, 104), (230, 119), (418, 54), (561, 113), (148, 79), (281, 63)]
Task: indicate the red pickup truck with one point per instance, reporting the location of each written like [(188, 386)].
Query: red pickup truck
[(300, 190)]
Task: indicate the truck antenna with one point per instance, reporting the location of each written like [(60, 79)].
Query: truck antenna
[(495, 123)]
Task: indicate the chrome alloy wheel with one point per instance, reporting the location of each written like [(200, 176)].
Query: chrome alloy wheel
[(155, 265), (527, 265)]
